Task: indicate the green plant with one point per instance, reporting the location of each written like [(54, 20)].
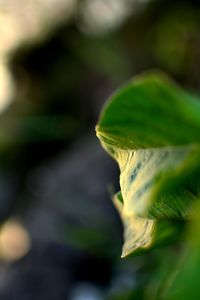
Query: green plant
[(151, 127)]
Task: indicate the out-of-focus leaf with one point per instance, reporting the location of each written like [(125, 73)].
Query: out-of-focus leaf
[(26, 129), (183, 284), (151, 128), (102, 55)]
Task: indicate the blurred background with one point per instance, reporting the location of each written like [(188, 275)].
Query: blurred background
[(60, 236)]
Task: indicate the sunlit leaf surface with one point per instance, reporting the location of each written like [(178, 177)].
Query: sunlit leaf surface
[(137, 231)]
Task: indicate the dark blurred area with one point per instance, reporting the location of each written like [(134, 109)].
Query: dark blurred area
[(60, 236)]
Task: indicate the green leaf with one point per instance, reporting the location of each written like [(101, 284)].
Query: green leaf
[(184, 280), (151, 128), (149, 112)]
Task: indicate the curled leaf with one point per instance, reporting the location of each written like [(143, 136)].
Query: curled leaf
[(151, 128)]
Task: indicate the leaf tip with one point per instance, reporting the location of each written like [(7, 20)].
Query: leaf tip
[(125, 253)]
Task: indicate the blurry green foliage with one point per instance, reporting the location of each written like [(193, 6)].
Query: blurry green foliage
[(175, 39), (60, 85)]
